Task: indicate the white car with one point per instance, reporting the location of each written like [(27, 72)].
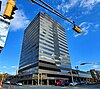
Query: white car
[(7, 82), (73, 84), (19, 84)]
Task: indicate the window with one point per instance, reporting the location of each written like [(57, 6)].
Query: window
[(46, 48), (47, 53)]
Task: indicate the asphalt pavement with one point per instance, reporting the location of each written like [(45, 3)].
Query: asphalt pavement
[(97, 86)]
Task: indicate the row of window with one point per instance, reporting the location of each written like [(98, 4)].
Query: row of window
[(62, 36), (46, 44), (63, 48), (47, 48), (30, 70), (43, 20), (28, 61), (32, 29), (31, 37), (27, 66), (29, 55), (30, 44), (48, 68), (46, 40), (51, 39), (63, 45), (62, 40), (47, 32), (61, 31), (65, 52), (67, 66), (29, 51), (47, 53)]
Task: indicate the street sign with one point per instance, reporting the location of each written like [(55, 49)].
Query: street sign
[(4, 28)]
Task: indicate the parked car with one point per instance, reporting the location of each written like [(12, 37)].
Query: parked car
[(65, 84), (58, 83), (82, 82), (73, 83), (13, 83), (19, 84), (7, 82), (89, 83)]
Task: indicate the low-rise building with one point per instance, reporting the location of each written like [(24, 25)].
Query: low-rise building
[(3, 77), (95, 74), (81, 75)]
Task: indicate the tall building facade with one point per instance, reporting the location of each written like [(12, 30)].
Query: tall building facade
[(45, 56)]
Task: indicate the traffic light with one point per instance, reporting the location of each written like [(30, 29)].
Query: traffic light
[(77, 29), (10, 8)]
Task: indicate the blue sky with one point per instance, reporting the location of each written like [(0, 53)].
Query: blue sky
[(83, 47)]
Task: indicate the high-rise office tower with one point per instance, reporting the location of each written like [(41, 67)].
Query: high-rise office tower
[(45, 56)]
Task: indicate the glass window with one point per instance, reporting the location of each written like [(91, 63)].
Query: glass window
[(47, 53)]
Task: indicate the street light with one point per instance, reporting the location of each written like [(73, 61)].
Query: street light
[(77, 69), (83, 63), (93, 63)]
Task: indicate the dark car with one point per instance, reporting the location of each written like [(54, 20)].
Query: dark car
[(58, 83), (82, 83), (13, 83), (65, 84)]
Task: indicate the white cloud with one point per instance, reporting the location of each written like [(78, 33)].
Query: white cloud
[(76, 35), (89, 4), (85, 28), (1, 72), (96, 26), (13, 73), (82, 24), (86, 4), (68, 28), (20, 20), (96, 66), (14, 67), (65, 6), (4, 67)]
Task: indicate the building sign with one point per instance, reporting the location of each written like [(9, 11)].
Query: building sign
[(4, 28)]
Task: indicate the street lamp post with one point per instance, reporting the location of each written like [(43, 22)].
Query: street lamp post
[(41, 78), (72, 76), (38, 79), (77, 69)]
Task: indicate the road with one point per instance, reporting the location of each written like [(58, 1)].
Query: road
[(97, 86)]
